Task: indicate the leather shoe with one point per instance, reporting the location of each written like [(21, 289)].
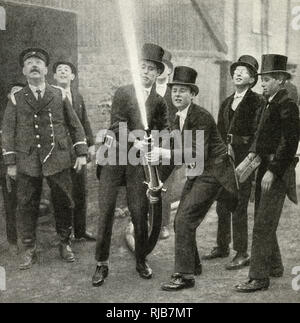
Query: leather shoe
[(276, 272), (99, 276), (164, 233), (198, 270), (217, 252), (87, 236), (66, 252), (29, 258), (178, 282), (144, 270), (253, 285), (239, 261)]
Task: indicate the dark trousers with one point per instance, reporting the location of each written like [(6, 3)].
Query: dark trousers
[(29, 195), (239, 220), (174, 185), (79, 183), (167, 199), (110, 179), (265, 253), (197, 197), (10, 206)]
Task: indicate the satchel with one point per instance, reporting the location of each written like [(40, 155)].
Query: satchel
[(247, 167)]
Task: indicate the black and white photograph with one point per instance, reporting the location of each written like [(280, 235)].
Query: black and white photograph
[(149, 154)]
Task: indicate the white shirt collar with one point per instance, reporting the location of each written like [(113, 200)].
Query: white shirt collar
[(147, 92), (35, 88), (182, 114), (240, 95), (161, 89), (272, 97)]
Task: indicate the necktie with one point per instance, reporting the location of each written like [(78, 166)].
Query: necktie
[(39, 95), (181, 120)]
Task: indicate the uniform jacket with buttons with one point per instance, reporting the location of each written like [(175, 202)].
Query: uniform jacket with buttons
[(35, 134), (244, 123)]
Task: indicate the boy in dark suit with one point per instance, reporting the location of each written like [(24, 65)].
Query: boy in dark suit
[(237, 122), (276, 144), (200, 190), (125, 109), (65, 73)]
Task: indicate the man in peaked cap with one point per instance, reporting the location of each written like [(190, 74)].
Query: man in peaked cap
[(238, 120), (125, 109), (200, 190), (276, 144), (64, 74), (35, 146)]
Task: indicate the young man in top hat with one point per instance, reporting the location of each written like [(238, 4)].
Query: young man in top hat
[(237, 122), (9, 187), (276, 144), (35, 145), (164, 91), (200, 190), (125, 109), (64, 74)]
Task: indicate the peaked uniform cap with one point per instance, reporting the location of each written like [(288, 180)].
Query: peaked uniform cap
[(34, 52)]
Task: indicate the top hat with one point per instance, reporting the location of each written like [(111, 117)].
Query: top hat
[(167, 58), (34, 52), (273, 63), (248, 61), (184, 75), (72, 66), (154, 53)]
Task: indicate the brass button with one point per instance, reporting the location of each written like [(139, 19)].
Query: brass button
[(36, 126), (37, 136), (39, 146)]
